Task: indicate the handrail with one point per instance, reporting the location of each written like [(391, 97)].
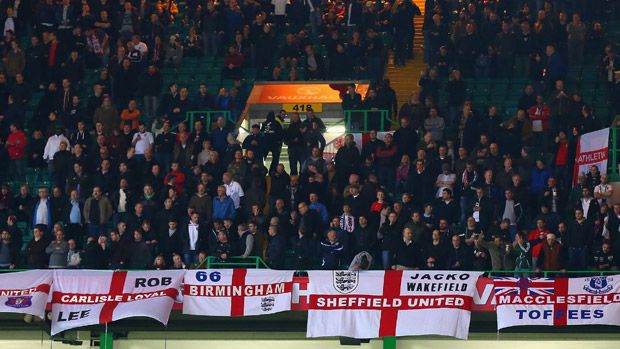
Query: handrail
[(258, 262), (210, 116), (190, 116), (350, 114), (237, 261), (613, 150), (552, 273)]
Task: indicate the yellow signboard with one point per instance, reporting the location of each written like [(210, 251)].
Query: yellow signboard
[(302, 107)]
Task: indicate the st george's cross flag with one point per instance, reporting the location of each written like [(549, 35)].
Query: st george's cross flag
[(90, 297), (557, 302), (592, 150), (373, 304), (25, 292), (237, 292)]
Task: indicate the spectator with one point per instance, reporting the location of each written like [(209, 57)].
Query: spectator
[(578, 240), (58, 250), (74, 259), (576, 40), (36, 255), (16, 147), (408, 254), (274, 135), (192, 236), (552, 255), (435, 124), (119, 249), (107, 115), (604, 259), (233, 189), (496, 249), (276, 248), (604, 191), (131, 115), (246, 241), (223, 205), (331, 251), (42, 211), (459, 256), (142, 141), (9, 251), (139, 253), (223, 249), (97, 213)]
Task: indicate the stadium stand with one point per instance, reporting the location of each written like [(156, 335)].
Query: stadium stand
[(123, 135)]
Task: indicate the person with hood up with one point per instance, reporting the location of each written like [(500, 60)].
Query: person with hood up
[(273, 137)]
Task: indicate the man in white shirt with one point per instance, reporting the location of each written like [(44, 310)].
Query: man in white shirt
[(9, 22), (192, 239), (42, 212), (53, 145), (139, 45), (279, 11), (142, 141), (588, 204), (604, 191), (233, 189)]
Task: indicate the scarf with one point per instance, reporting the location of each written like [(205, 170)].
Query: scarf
[(465, 179), (93, 43), (347, 223)]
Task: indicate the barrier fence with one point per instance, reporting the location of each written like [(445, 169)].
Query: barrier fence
[(365, 120)]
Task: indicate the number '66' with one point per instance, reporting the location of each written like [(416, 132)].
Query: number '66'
[(202, 276)]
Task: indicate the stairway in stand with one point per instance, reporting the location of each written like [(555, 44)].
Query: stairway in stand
[(405, 79)]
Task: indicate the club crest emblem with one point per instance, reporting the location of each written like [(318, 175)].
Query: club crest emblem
[(345, 281), (19, 302), (267, 303), (598, 285)]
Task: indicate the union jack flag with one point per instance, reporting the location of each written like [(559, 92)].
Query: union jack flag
[(523, 286)]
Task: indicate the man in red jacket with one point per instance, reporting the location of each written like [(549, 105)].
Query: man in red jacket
[(175, 178), (539, 114), (16, 147)]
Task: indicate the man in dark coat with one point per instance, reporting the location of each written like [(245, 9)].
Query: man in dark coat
[(420, 184), (274, 135), (347, 160)]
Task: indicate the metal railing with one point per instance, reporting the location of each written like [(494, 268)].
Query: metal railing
[(258, 263), (551, 273), (614, 154), (209, 116), (232, 262), (358, 120)]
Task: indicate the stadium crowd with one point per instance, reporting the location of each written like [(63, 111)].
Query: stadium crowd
[(453, 187)]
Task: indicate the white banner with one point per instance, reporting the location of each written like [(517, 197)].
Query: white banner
[(237, 292), (375, 304), (592, 149), (89, 297), (25, 292), (557, 302)]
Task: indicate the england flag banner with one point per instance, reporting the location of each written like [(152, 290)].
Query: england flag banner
[(557, 302), (237, 292), (373, 304), (89, 297), (25, 292), (592, 150)]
